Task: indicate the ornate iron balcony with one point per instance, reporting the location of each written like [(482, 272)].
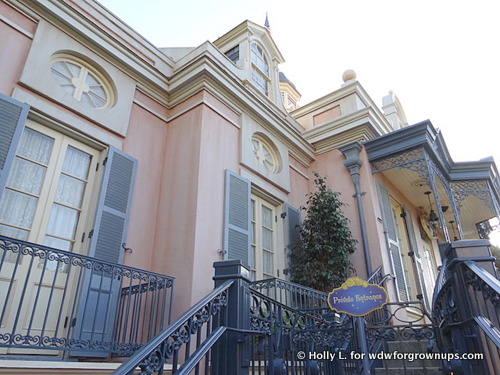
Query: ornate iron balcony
[(54, 300)]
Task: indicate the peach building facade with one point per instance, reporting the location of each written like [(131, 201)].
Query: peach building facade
[(217, 155)]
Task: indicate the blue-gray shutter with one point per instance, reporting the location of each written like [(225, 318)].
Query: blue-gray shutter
[(411, 233), (110, 224), (292, 232), (417, 258), (100, 290), (292, 222), (237, 217), (393, 242), (13, 115)]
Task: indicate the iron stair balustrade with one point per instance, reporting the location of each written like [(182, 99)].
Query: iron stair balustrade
[(205, 321), (467, 312), (287, 338), (42, 305), (275, 334)]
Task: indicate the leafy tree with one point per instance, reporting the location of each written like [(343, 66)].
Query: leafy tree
[(320, 259)]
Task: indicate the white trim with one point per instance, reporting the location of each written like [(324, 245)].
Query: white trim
[(16, 27), (298, 171)]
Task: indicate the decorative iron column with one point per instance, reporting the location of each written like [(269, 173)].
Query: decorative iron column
[(353, 163), (433, 171)]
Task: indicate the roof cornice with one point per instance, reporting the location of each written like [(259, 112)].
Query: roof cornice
[(206, 68)]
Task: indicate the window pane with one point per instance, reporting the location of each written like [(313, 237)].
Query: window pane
[(62, 221), (17, 208), (259, 59), (57, 243), (14, 232), (75, 69), (96, 98), (267, 239), (26, 176), (267, 217), (70, 191), (35, 146), (76, 163), (267, 262), (251, 260)]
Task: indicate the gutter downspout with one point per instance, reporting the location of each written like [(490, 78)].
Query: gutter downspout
[(353, 163)]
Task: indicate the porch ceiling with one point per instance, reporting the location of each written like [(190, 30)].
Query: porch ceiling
[(413, 187)]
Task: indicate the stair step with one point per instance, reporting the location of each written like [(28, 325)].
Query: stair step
[(401, 364), (34, 367), (409, 346), (407, 371)]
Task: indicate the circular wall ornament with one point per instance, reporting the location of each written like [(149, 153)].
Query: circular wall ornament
[(266, 153), (82, 82)]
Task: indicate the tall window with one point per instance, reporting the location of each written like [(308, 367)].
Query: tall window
[(260, 68), (47, 188), (263, 260)]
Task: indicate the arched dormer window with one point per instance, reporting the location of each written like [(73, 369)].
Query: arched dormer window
[(260, 68)]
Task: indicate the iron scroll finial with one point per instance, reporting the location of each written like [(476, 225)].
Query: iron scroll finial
[(127, 249)]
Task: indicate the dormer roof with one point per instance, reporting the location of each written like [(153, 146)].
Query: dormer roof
[(248, 29)]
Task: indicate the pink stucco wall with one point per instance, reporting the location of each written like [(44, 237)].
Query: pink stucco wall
[(14, 46), (145, 141)]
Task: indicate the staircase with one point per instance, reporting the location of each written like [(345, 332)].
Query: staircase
[(403, 364)]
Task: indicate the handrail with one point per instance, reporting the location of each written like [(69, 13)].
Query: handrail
[(484, 275), (202, 350), (70, 291), (289, 292), (441, 279), (489, 329), (469, 299), (185, 321)]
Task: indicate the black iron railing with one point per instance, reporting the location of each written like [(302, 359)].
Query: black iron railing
[(185, 345), (405, 327), (57, 300), (290, 294), (467, 312), (292, 341)]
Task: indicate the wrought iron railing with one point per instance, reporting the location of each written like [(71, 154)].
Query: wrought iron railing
[(291, 341), (400, 326), (467, 312), (185, 345), (291, 294), (57, 300)]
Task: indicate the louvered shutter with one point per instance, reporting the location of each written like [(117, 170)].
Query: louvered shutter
[(411, 233), (417, 256), (237, 217), (292, 232), (13, 115), (111, 220), (292, 225), (100, 291), (393, 242)]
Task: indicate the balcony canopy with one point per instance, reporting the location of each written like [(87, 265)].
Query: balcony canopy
[(415, 159)]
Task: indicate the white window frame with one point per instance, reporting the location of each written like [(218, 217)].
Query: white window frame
[(259, 61), (256, 245), (46, 197)]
